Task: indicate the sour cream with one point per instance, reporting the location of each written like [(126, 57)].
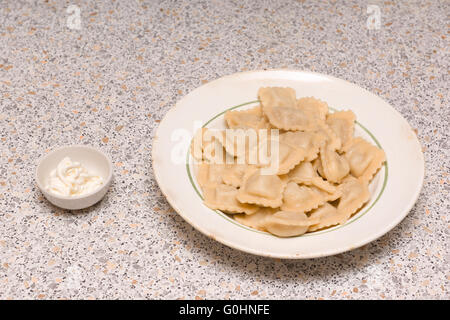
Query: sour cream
[(71, 179)]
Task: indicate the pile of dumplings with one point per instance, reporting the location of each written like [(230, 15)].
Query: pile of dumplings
[(322, 175)]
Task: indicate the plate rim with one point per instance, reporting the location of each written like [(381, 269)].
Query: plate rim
[(362, 242)]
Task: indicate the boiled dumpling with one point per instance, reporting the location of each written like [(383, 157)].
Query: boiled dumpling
[(284, 160), (223, 197), (277, 97), (333, 166), (288, 224), (309, 142), (263, 190), (298, 198), (355, 193), (328, 216), (343, 125), (209, 174), (283, 111), (232, 174), (364, 158), (207, 145), (255, 220), (247, 119), (313, 107)]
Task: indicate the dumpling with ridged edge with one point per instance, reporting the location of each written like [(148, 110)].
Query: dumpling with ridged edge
[(343, 125), (288, 224), (364, 158), (255, 220), (283, 111), (260, 189), (247, 119), (334, 167), (355, 193), (299, 198), (223, 197)]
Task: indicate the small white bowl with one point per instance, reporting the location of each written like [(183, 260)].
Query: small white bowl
[(92, 159)]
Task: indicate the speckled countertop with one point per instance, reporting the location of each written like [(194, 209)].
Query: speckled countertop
[(108, 84)]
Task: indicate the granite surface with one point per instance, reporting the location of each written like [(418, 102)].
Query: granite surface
[(108, 81)]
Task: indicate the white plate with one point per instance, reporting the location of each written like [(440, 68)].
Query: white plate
[(394, 189)]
